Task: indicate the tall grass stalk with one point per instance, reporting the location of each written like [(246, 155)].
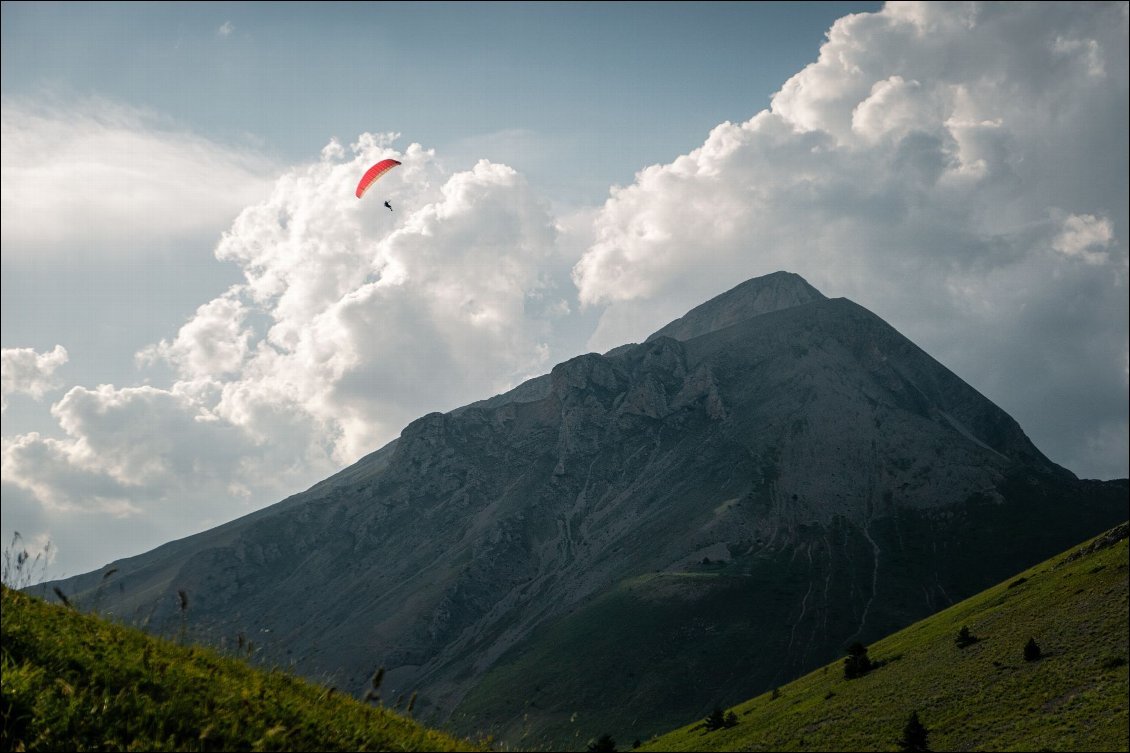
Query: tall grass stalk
[(20, 569)]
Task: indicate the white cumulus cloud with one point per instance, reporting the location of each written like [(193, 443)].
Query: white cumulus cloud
[(369, 318), (214, 342), (154, 458), (1086, 237), (27, 372)]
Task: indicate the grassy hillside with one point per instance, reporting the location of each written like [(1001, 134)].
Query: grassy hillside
[(985, 696), (75, 682)]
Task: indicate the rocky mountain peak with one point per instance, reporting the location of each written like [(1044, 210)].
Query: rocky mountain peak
[(761, 295)]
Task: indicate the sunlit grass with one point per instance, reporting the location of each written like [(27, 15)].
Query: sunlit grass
[(76, 682)]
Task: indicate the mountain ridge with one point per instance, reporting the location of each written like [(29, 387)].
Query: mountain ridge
[(747, 300), (787, 427)]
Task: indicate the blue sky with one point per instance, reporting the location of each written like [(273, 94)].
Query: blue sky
[(577, 95), (198, 318)]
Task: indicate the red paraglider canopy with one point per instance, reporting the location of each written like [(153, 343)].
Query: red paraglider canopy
[(373, 173)]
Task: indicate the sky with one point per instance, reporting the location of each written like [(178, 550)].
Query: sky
[(200, 319)]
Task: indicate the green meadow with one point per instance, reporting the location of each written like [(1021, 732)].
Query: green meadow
[(76, 682)]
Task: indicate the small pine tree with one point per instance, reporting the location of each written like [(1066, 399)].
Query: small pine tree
[(857, 664), (915, 736), (731, 719), (1032, 650), (603, 744), (965, 638), (716, 720)]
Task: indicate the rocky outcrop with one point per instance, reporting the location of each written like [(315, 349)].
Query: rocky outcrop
[(761, 295)]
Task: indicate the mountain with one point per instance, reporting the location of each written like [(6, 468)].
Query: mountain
[(982, 694), (761, 295), (674, 524)]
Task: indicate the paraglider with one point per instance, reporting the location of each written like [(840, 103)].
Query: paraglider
[(371, 175), (389, 206)]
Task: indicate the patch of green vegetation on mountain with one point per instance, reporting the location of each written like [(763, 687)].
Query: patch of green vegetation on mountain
[(987, 694), (649, 643), (76, 682)]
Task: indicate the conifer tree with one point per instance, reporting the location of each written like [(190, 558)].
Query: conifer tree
[(603, 744), (857, 663), (964, 637), (716, 720), (915, 736)]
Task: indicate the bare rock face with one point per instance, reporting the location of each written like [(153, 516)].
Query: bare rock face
[(775, 467), (761, 295)]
